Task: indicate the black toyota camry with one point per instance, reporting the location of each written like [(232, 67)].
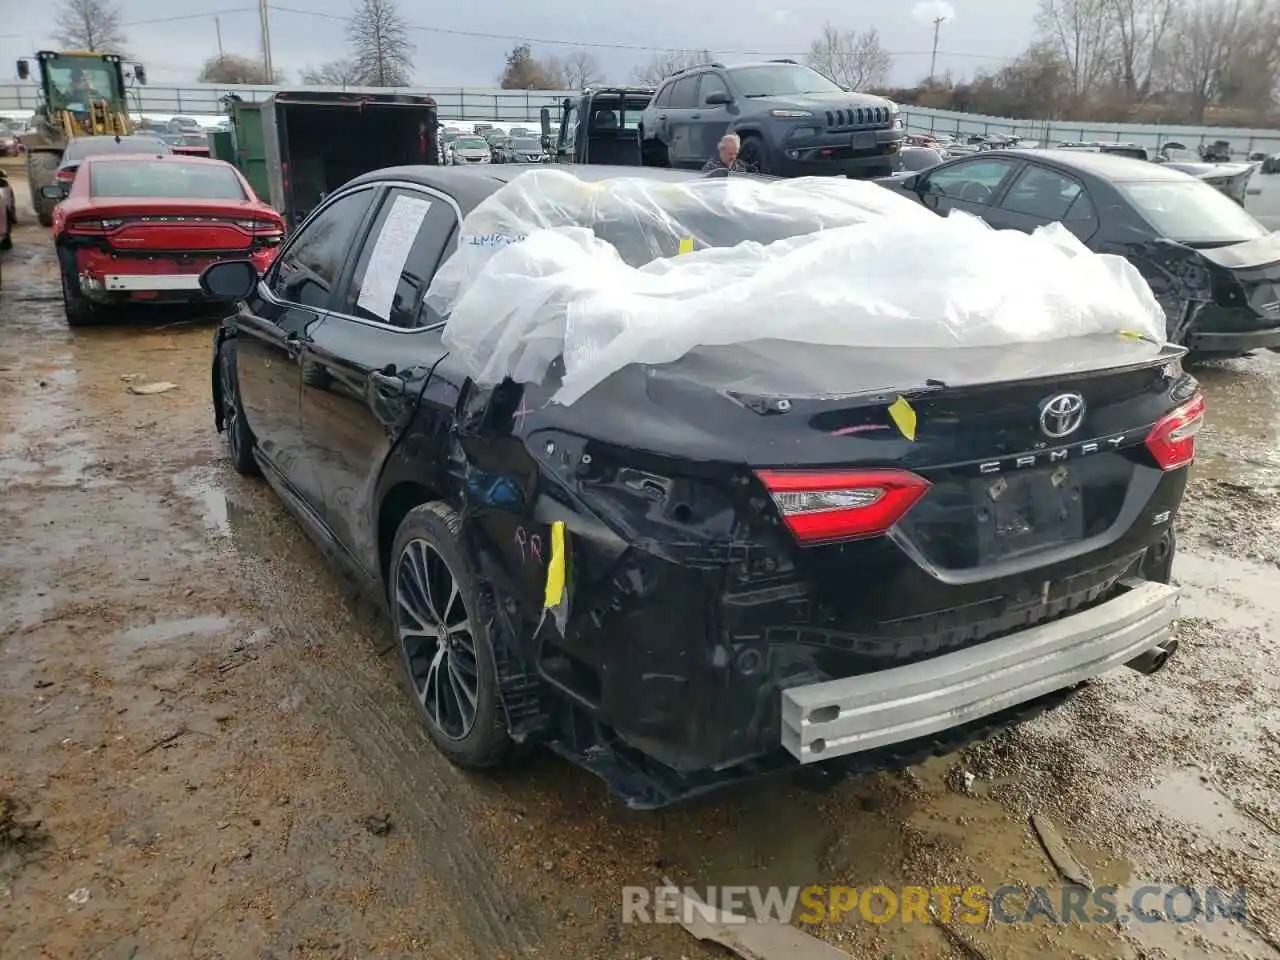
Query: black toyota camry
[(675, 581), (1212, 266)]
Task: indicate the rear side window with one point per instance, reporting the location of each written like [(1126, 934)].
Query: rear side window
[(163, 178), (306, 270), (663, 99), (410, 236), (1043, 193), (684, 96)]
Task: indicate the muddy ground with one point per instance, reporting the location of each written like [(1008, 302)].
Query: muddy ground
[(204, 752)]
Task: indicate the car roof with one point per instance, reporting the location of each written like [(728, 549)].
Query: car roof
[(1108, 166), (469, 186)]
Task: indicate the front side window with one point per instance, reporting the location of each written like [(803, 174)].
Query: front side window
[(1191, 212), (711, 83), (974, 180), (399, 258), (307, 269), (780, 80)]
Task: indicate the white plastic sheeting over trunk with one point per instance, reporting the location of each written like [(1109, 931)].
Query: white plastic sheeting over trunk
[(646, 269)]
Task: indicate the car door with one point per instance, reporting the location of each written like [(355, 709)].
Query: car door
[(969, 185), (1039, 195), (711, 120), (680, 117), (373, 357), (656, 120), (274, 324)]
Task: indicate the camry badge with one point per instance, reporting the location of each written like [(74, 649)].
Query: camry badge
[(1061, 415)]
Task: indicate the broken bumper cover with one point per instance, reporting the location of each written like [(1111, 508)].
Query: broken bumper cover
[(840, 717)]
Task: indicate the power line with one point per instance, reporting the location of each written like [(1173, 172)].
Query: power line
[(639, 48), (150, 20)]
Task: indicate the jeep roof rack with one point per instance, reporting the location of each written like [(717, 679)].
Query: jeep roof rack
[(696, 66), (784, 60)]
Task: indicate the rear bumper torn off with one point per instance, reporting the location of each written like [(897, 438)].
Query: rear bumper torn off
[(839, 717)]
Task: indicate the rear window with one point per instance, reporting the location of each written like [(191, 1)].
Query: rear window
[(1191, 212), (94, 146), (163, 178)]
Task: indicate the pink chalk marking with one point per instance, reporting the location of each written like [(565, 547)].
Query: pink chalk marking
[(858, 428)]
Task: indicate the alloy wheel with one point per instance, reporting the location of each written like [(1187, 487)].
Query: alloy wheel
[(434, 628)]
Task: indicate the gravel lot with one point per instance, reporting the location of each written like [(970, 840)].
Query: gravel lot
[(205, 722)]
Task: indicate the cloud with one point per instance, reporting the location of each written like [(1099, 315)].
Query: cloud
[(927, 11)]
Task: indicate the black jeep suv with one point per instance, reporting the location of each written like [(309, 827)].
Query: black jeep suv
[(793, 121)]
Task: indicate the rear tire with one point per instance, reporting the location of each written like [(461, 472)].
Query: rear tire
[(80, 311), (463, 711)]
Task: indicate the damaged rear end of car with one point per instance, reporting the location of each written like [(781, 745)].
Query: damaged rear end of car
[(772, 554)]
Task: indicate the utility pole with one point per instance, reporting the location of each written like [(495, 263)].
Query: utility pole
[(933, 58), (217, 25), (266, 40)]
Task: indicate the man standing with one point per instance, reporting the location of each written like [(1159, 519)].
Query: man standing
[(726, 157)]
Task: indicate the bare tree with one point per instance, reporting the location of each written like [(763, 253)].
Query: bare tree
[(1140, 28), (335, 73), (1200, 52), (380, 43), (854, 60), (579, 69), (1084, 33), (555, 72), (89, 25), (665, 64), (231, 68), (1249, 80)]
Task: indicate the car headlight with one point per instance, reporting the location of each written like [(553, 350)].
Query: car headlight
[(791, 114)]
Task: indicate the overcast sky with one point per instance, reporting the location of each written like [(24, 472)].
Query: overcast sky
[(982, 33)]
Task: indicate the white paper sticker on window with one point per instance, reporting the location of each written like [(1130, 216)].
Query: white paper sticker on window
[(386, 263)]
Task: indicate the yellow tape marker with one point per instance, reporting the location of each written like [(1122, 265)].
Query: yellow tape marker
[(555, 569), (686, 245), (1130, 335), (904, 417)]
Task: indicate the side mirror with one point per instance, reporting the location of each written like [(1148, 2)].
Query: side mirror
[(912, 183), (229, 280), (718, 98), (24, 70), (53, 191), (544, 118), (140, 74)]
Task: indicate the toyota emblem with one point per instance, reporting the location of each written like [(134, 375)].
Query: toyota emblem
[(1061, 415)]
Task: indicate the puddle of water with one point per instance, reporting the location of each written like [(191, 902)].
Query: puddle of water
[(1183, 795), (163, 631), (210, 499)]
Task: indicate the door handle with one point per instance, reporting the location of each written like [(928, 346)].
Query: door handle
[(662, 116), (695, 116), (386, 382)]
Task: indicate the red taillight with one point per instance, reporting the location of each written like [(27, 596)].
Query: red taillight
[(820, 506), (65, 175), (1172, 440), (93, 225)]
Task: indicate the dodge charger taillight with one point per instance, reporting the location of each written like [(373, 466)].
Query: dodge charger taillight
[(1172, 440), (820, 506)]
